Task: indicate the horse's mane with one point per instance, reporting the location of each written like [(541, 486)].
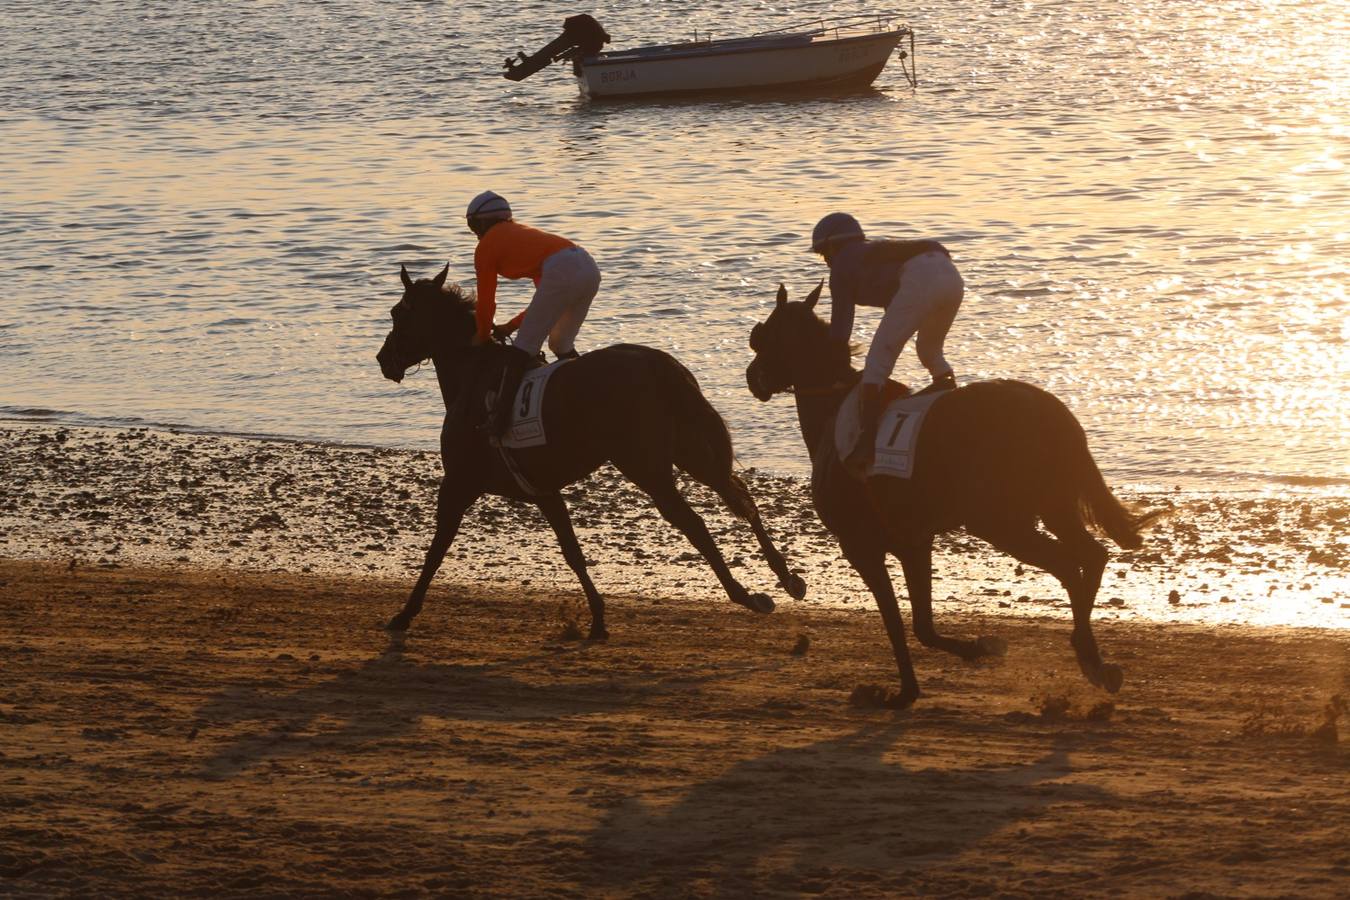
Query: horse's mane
[(458, 301), (458, 297), (844, 348)]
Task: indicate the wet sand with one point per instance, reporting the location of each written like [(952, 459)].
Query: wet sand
[(139, 497), (197, 698)]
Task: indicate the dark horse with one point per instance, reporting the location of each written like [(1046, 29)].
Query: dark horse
[(994, 457), (633, 406)]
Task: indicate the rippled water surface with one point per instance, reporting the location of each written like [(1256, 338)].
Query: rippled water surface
[(203, 208)]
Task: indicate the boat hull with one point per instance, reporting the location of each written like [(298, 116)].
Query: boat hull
[(708, 68)]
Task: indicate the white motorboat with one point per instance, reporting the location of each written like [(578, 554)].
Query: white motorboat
[(825, 54)]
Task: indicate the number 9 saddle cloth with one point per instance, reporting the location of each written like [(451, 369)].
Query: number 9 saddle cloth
[(527, 414)]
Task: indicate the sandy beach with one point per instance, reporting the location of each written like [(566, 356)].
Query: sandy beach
[(198, 698), (228, 735), (213, 500)]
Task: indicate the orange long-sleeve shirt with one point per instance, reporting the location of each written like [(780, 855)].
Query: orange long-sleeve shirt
[(511, 250)]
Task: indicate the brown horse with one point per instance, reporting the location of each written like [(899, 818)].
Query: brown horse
[(995, 457), (635, 407)]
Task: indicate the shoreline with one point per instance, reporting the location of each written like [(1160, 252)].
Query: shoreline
[(142, 497), (216, 733), (1311, 486)]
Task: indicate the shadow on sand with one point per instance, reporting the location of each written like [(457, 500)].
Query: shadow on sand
[(784, 821), (382, 701)]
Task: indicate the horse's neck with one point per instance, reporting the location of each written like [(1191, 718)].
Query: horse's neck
[(452, 359), (449, 375), (459, 368), (817, 406), (815, 413)]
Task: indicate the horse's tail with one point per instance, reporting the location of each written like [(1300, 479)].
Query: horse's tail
[(1097, 505), (703, 443)]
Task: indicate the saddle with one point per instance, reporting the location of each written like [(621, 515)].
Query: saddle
[(897, 435), (503, 367), (525, 427)]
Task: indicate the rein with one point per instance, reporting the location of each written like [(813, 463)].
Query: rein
[(842, 384)]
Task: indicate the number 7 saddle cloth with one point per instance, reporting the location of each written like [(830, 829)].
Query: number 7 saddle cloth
[(897, 432)]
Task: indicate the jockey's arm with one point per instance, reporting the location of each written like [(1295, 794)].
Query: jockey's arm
[(841, 306), (486, 305)]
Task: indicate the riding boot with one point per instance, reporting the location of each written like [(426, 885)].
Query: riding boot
[(514, 366), (869, 415), (944, 382)]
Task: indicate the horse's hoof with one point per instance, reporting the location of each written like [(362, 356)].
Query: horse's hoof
[(1112, 677), (397, 625), (901, 699), (795, 586), (882, 696), (989, 645), (760, 603), (597, 634)]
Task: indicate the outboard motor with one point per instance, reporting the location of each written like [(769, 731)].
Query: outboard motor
[(582, 36)]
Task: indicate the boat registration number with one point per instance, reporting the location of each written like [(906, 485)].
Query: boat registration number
[(614, 75)]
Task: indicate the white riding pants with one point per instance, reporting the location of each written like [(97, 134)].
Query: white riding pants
[(568, 281), (926, 302)]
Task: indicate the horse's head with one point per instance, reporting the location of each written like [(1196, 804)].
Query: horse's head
[(792, 347), (427, 318)]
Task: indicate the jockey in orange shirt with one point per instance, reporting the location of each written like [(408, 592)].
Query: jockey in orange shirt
[(565, 278)]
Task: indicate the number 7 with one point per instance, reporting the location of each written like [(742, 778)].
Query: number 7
[(899, 421)]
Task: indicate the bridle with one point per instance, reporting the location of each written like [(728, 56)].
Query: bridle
[(399, 313), (837, 387)]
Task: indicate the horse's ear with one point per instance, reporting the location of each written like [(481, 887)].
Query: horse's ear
[(814, 296), (407, 282), (439, 280), (782, 294)]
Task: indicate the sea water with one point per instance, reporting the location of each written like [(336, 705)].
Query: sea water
[(204, 207)]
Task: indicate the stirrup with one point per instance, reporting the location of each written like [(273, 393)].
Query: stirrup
[(486, 427), (863, 454), (493, 431)]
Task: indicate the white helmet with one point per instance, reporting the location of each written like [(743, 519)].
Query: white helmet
[(488, 205)]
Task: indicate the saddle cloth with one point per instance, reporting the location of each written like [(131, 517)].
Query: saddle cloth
[(527, 414), (897, 432)]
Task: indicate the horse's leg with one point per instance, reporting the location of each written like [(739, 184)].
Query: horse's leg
[(658, 481), (1033, 547), (453, 501), (738, 499), (870, 563), (1091, 557), (555, 511), (916, 558)]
